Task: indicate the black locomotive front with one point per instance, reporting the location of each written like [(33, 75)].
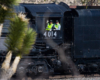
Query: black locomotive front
[(44, 56), (40, 16)]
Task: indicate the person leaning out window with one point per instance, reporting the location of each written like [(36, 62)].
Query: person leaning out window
[(57, 25)]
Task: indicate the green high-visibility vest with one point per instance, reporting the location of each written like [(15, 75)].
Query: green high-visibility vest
[(49, 27), (57, 26)]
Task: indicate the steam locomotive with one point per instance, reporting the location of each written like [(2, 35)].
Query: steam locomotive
[(78, 38)]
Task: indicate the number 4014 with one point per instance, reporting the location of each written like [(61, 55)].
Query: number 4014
[(50, 34)]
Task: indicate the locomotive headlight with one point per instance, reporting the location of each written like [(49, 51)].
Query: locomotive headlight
[(40, 69)]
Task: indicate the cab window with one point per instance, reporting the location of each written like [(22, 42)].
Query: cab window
[(52, 24)]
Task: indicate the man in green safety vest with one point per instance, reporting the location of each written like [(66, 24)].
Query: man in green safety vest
[(57, 25), (49, 26)]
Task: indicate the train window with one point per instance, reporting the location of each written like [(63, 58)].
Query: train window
[(53, 24)]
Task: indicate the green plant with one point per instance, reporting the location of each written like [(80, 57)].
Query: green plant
[(6, 8)]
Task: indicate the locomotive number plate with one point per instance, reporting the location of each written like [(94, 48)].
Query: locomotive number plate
[(50, 34)]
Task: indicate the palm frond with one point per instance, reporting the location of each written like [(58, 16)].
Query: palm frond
[(20, 38), (3, 14), (16, 34), (9, 3), (28, 42), (6, 7)]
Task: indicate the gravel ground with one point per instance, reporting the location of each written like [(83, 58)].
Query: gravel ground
[(79, 79), (90, 78), (69, 2), (63, 78)]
